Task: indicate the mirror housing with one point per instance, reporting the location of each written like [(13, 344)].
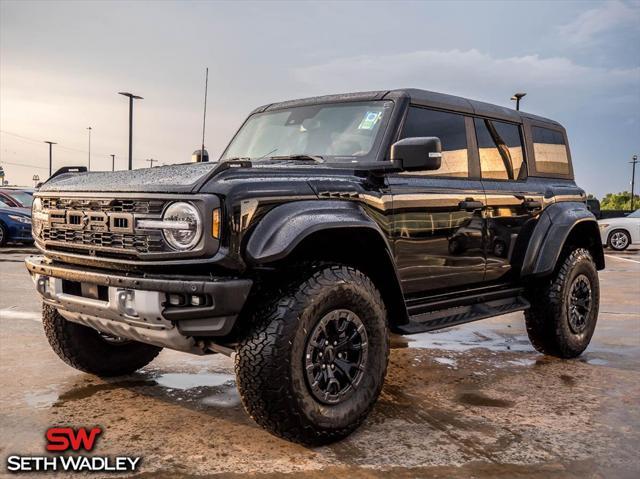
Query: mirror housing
[(419, 153)]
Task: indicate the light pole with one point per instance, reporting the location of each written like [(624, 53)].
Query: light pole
[(113, 162), (89, 168), (131, 98), (517, 97), (51, 143), (634, 160)]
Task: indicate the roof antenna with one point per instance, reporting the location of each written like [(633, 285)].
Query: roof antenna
[(202, 155)]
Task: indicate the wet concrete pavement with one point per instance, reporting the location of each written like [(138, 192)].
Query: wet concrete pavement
[(474, 400)]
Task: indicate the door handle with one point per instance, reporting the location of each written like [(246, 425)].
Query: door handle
[(531, 204), (470, 204)]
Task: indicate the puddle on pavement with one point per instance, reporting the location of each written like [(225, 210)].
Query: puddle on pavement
[(227, 398), (193, 380), (466, 339)]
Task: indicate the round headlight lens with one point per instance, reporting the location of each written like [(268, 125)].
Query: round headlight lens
[(186, 226)]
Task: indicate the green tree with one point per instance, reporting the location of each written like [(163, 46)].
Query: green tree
[(619, 201)]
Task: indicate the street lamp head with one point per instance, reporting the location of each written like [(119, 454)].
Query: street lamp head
[(130, 95), (51, 142), (517, 96), (635, 157)]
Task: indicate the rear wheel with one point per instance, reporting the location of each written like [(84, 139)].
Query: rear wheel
[(619, 240), (564, 309), (88, 350), (314, 364), (3, 235)]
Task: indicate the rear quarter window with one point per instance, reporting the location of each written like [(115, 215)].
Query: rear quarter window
[(550, 151)]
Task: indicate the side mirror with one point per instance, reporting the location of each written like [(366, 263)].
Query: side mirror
[(420, 153)]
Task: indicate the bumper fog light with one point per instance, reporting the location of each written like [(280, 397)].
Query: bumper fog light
[(196, 300), (176, 300)]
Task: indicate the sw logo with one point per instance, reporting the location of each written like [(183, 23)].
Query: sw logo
[(65, 438), (68, 439)]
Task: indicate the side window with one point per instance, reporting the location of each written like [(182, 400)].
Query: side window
[(550, 151), (450, 128), (500, 150)]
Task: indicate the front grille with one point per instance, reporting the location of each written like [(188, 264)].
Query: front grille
[(101, 241)]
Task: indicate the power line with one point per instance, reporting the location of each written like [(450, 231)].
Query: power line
[(23, 164), (68, 148)]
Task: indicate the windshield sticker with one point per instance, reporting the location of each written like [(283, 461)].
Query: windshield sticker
[(369, 120)]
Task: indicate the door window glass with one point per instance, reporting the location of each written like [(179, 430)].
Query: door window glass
[(450, 128), (550, 151), (500, 150)]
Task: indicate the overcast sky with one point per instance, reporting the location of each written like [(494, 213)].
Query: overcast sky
[(62, 64)]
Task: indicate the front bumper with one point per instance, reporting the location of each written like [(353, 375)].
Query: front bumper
[(136, 306)]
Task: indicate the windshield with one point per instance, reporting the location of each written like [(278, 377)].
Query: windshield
[(333, 131), (20, 197), (635, 214)]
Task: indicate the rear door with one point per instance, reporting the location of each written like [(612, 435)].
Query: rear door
[(512, 202), (437, 217)]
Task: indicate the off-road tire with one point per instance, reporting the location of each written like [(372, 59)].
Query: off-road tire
[(612, 245), (547, 320), (85, 349), (270, 367)]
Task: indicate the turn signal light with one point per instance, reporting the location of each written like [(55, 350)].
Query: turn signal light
[(215, 224)]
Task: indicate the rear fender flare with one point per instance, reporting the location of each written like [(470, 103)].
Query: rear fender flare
[(554, 226)]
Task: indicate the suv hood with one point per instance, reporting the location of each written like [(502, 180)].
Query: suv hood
[(183, 178), (191, 177)]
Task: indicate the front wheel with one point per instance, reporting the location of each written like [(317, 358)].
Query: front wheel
[(564, 308), (88, 350), (314, 364)]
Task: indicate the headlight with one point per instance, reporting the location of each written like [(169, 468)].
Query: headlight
[(182, 227), (38, 217), (21, 219)]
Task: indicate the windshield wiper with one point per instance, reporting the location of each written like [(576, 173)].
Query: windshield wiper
[(316, 158)]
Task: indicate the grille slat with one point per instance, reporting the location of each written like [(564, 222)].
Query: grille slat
[(93, 241)]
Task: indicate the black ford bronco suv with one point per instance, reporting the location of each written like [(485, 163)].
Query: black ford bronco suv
[(327, 223)]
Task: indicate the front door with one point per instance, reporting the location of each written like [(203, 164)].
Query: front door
[(438, 215)]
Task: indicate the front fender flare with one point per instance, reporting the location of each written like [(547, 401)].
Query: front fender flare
[(550, 234), (286, 226)]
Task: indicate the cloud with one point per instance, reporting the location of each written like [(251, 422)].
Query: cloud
[(589, 25), (551, 82)]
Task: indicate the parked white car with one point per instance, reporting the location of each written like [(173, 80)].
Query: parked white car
[(619, 233)]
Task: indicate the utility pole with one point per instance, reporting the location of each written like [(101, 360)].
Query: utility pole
[(151, 162), (113, 162), (51, 143), (131, 98), (517, 97), (633, 161), (89, 168)]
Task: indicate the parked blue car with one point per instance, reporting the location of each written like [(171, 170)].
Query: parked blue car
[(15, 224)]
